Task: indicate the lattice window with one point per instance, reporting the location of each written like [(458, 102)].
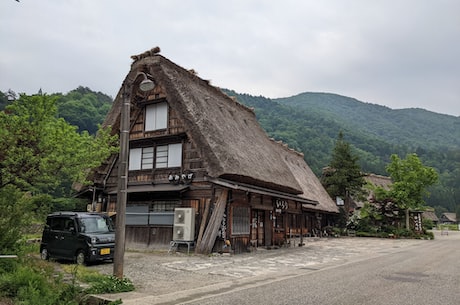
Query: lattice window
[(240, 220)]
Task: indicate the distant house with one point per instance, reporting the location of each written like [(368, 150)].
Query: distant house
[(192, 146), (448, 218), (376, 181), (431, 215)]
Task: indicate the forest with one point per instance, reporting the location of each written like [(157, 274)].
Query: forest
[(311, 122)]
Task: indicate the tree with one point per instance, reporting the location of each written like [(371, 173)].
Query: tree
[(40, 152), (343, 177), (14, 217), (84, 108), (410, 182)]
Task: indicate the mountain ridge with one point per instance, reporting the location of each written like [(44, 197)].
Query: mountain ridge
[(393, 125)]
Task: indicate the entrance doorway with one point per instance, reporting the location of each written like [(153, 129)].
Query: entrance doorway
[(261, 228)]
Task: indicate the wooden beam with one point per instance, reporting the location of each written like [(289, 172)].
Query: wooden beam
[(204, 220), (212, 229)]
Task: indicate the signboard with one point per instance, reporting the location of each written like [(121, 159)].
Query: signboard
[(281, 204), (339, 201)]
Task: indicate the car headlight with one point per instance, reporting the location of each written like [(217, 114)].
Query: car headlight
[(93, 240)]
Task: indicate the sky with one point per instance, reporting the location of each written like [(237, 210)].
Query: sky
[(396, 53)]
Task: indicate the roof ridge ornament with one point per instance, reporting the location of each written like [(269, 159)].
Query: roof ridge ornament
[(148, 53)]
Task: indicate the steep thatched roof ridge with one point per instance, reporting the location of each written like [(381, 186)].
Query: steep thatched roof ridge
[(311, 186), (430, 215), (452, 217), (227, 133), (232, 141), (378, 180)]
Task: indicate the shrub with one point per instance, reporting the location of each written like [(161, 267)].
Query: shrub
[(429, 235), (427, 224), (13, 218), (99, 283), (404, 233), (34, 283), (364, 234), (450, 227), (110, 284)]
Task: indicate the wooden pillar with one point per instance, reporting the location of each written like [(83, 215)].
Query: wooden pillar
[(212, 229), (204, 218)]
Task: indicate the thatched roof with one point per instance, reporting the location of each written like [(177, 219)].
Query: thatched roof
[(448, 217), (311, 186), (430, 215), (377, 180), (231, 141)]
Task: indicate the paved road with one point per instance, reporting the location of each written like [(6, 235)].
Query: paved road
[(326, 271)]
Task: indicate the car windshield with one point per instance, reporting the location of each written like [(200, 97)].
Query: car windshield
[(96, 224)]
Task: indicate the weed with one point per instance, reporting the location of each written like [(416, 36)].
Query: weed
[(99, 283), (110, 284)]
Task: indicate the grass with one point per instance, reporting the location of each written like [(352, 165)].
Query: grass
[(28, 280), (98, 283)]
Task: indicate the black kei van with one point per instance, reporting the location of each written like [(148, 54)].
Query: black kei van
[(78, 236)]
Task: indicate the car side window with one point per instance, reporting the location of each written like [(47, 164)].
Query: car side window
[(69, 225), (57, 224)]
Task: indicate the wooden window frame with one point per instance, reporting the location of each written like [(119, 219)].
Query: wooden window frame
[(156, 116), (241, 220)]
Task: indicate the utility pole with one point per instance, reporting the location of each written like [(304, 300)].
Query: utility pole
[(122, 194)]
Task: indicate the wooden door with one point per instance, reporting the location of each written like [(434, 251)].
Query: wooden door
[(268, 228), (257, 228)]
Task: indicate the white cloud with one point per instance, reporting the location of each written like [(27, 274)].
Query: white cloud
[(400, 54)]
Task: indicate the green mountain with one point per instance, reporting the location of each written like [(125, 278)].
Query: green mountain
[(413, 127), (80, 107), (310, 123), (84, 108)]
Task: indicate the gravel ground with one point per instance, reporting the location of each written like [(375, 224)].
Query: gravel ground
[(158, 273), (150, 271)]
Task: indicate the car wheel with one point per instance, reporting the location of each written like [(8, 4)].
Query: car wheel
[(81, 258), (44, 255)]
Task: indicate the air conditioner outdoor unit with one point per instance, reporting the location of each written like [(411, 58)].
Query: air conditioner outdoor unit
[(184, 224)]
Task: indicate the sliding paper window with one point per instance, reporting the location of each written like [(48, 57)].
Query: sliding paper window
[(141, 158), (169, 156), (156, 116), (165, 156)]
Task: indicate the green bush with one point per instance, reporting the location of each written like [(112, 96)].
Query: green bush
[(14, 218), (383, 234), (364, 234), (429, 235), (427, 224), (8, 266), (450, 227), (99, 283), (110, 284), (33, 282), (403, 233)]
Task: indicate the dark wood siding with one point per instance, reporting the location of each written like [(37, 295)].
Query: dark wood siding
[(144, 236)]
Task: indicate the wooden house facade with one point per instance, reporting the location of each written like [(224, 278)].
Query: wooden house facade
[(191, 145), (448, 218)]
